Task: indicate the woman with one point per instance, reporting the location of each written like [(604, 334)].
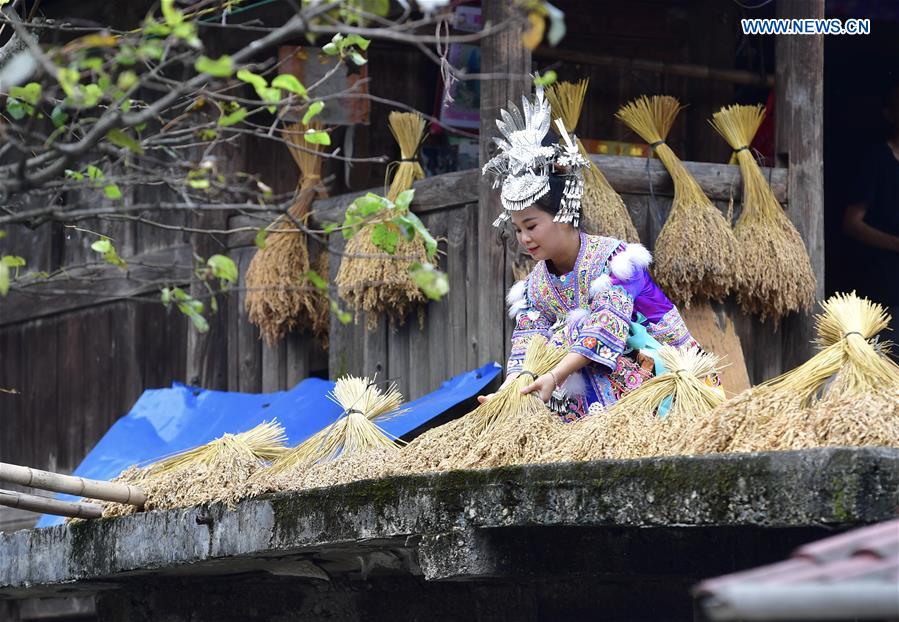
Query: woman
[(585, 291)]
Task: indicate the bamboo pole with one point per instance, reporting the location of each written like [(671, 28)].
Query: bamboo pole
[(72, 485), (32, 503)]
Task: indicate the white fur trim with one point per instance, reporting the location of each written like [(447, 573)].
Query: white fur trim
[(634, 257), (574, 385), (516, 298), (576, 315), (517, 307), (600, 284)]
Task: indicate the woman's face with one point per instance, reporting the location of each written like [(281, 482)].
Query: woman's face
[(538, 234)]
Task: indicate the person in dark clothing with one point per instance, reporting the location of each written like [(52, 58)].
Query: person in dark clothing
[(872, 216)]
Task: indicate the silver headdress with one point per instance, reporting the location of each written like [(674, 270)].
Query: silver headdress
[(523, 166)]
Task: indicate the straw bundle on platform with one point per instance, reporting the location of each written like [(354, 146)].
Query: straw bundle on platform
[(695, 252), (215, 471), (777, 278), (279, 296), (633, 427), (509, 428), (369, 279), (353, 447), (842, 395), (602, 209)]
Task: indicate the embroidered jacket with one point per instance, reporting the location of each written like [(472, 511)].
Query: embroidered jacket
[(590, 310)]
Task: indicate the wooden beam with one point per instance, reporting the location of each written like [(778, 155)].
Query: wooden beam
[(799, 123), (99, 284), (628, 175), (687, 70)]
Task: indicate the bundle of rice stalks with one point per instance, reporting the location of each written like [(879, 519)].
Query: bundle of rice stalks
[(353, 447), (279, 296), (602, 209), (633, 427), (695, 253), (215, 471), (818, 402), (369, 279), (848, 361), (777, 278), (509, 428)]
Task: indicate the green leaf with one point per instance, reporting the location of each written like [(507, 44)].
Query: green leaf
[(317, 137), (171, 15), (121, 139), (199, 183), (103, 245), (249, 77), (18, 110), (330, 228), (546, 79), (432, 282), (331, 49), (93, 63), (317, 280), (419, 227), (290, 83), (404, 199), (260, 238), (314, 108), (126, 80), (4, 279), (68, 79), (94, 173), (357, 58), (198, 320), (112, 191), (385, 237), (272, 95), (221, 67), (126, 56), (2, 234), (342, 316), (358, 40), (74, 175), (12, 261), (152, 49), (223, 268), (235, 117), (556, 24), (59, 116), (90, 95), (30, 93)]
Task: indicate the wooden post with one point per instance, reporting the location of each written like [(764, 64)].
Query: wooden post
[(799, 117), (501, 54), (43, 505), (68, 484)]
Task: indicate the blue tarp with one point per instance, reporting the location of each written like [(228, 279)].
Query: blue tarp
[(166, 421)]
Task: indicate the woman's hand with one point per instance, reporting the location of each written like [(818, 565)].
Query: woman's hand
[(544, 386), (509, 378)]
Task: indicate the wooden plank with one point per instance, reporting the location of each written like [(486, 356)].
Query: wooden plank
[(455, 328), (298, 346), (249, 346), (273, 367), (501, 53), (107, 283), (799, 123)]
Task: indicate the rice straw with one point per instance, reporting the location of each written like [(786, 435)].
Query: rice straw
[(279, 297), (602, 209), (695, 252), (777, 278)]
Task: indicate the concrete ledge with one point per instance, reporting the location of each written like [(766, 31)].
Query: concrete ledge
[(439, 525)]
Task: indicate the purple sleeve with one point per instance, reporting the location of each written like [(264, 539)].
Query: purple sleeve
[(649, 299)]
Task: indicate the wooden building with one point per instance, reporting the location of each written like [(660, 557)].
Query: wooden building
[(79, 359)]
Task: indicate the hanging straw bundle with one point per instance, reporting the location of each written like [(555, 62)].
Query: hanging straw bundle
[(369, 279), (778, 278), (823, 401), (215, 471), (353, 447), (509, 428), (279, 298), (602, 209), (646, 421), (695, 252)]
